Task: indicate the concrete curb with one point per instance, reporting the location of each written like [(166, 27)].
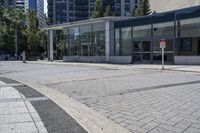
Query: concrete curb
[(99, 65), (118, 66), (156, 67), (88, 118)]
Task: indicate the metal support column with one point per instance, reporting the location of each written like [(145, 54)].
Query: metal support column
[(51, 46), (107, 41)]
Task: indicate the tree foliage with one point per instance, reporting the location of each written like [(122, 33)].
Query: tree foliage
[(108, 11), (143, 9), (101, 10), (12, 21), (35, 37), (146, 7), (16, 25), (98, 9)]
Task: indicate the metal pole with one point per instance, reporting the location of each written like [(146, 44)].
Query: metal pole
[(16, 44), (163, 60), (56, 47)]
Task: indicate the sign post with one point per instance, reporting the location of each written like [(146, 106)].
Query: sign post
[(162, 46)]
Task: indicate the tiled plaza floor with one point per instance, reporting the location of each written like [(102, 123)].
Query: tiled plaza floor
[(141, 100)]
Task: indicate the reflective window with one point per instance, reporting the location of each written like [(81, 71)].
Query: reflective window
[(190, 27), (99, 39), (86, 40), (189, 37), (123, 42), (74, 40), (117, 42), (126, 41), (142, 31), (163, 29), (66, 41)]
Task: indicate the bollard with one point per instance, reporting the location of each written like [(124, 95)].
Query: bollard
[(23, 57)]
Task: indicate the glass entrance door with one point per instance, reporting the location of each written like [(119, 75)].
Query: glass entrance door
[(141, 52), (137, 52), (85, 50), (146, 51)]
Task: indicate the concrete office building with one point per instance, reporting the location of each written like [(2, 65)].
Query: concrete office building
[(9, 3), (61, 11), (14, 4), (133, 39), (169, 5), (20, 4)]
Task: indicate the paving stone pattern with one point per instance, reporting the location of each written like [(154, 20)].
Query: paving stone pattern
[(141, 100), (148, 102)]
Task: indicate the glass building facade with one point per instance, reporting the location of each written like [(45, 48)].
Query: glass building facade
[(85, 40), (180, 28), (136, 39), (62, 11)]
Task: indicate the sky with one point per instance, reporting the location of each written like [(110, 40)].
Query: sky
[(45, 6)]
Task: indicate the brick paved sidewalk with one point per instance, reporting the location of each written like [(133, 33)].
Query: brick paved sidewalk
[(138, 99)]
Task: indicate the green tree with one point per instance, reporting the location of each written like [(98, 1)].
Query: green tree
[(16, 26), (12, 25), (137, 12), (108, 11), (98, 9), (146, 7), (1, 9), (143, 9), (35, 37)]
